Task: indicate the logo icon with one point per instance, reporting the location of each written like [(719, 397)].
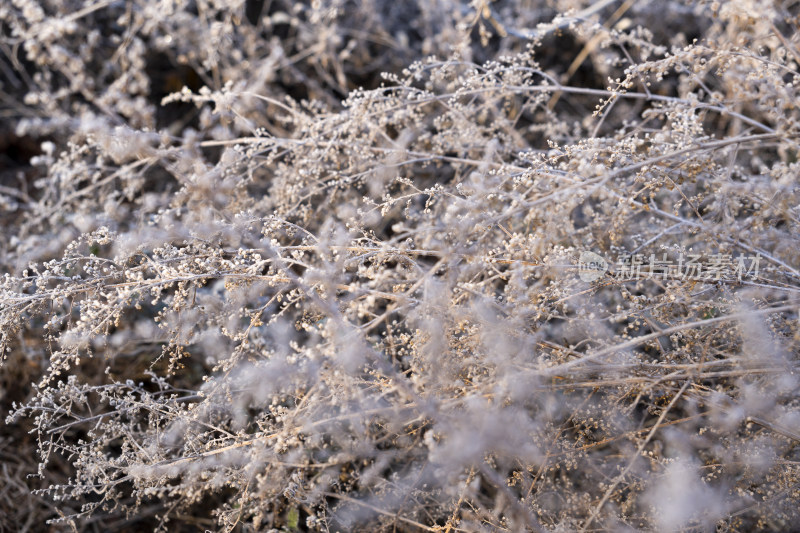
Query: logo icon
[(591, 266)]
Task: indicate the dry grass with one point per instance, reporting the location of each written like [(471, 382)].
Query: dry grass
[(318, 267)]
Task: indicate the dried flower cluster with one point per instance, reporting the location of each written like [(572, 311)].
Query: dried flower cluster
[(314, 266)]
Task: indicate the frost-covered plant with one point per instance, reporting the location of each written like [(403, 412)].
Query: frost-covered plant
[(257, 285)]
